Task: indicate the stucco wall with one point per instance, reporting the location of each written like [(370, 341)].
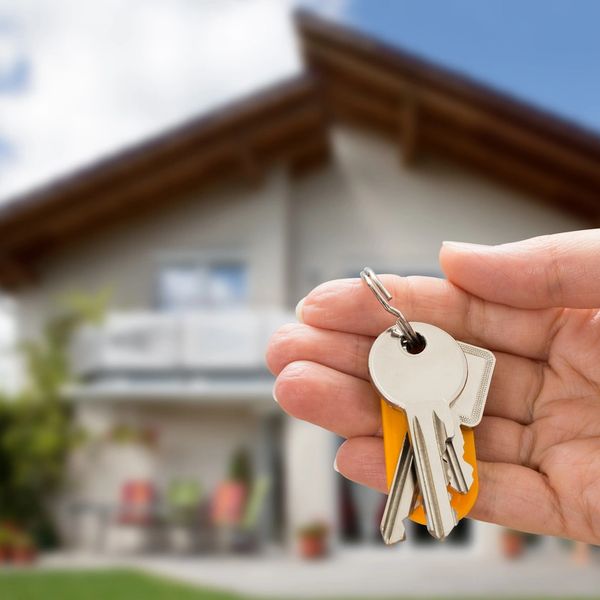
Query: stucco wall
[(233, 219), (368, 209)]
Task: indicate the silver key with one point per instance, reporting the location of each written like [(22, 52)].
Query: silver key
[(401, 497), (424, 385), (471, 402), (460, 472), (468, 410)]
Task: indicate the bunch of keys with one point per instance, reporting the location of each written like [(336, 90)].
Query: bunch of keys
[(433, 391)]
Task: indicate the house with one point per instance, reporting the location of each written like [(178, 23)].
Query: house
[(208, 235)]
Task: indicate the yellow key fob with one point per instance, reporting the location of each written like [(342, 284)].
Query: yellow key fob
[(395, 428)]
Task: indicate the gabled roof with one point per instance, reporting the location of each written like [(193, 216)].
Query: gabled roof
[(285, 124), (353, 78)]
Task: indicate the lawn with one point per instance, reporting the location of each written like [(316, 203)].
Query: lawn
[(101, 585), (98, 585)]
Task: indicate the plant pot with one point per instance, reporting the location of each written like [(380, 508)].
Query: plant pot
[(312, 547), (23, 556), (513, 544)]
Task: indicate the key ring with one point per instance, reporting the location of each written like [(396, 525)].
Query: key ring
[(382, 294)]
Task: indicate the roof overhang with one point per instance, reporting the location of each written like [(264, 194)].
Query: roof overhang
[(428, 109), (283, 125)]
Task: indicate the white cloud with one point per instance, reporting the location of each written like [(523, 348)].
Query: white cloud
[(107, 74)]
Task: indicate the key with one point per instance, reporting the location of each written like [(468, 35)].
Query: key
[(471, 402), (424, 385), (401, 498), (468, 410), (460, 472)]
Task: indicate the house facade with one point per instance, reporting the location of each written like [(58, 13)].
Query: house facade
[(208, 236)]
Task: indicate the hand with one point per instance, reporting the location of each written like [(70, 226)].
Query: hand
[(535, 305)]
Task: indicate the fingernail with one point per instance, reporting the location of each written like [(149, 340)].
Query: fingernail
[(275, 396), (299, 311), (462, 246), (335, 467)]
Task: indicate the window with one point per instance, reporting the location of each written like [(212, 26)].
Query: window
[(189, 284)]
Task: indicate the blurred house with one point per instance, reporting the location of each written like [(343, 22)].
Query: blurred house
[(209, 234)]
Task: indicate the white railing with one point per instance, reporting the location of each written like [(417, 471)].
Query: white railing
[(144, 341)]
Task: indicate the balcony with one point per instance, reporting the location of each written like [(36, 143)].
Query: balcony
[(204, 356)]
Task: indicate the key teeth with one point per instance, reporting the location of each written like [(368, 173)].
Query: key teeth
[(448, 472)]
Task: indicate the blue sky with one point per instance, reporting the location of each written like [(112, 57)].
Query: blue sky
[(546, 52)]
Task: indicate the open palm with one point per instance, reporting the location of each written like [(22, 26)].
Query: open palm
[(533, 304)]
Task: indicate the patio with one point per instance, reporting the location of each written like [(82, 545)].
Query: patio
[(365, 573)]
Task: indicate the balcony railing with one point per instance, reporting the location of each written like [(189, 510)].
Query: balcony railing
[(210, 341)]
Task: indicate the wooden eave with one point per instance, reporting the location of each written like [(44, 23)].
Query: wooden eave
[(286, 125), (427, 109)]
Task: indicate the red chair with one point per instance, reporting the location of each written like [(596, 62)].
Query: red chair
[(138, 503)]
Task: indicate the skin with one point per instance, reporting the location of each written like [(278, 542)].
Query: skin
[(535, 305)]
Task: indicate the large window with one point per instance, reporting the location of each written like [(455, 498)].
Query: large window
[(191, 284)]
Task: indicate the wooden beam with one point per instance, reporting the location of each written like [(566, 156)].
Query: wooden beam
[(409, 129), (510, 165), (511, 169), (274, 109), (16, 272), (335, 64), (266, 140), (449, 83)]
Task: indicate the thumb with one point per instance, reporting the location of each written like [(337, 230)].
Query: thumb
[(551, 270)]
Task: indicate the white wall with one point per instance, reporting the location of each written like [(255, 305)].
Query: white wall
[(125, 257), (193, 443), (369, 209)]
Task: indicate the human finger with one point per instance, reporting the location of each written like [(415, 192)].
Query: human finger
[(338, 402), (345, 352), (348, 305), (558, 270)]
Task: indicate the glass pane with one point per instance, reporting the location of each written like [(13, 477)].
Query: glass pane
[(227, 284), (181, 287)]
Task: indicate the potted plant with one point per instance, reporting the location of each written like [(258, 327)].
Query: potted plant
[(23, 549), (312, 540), (513, 543), (6, 541), (231, 494)]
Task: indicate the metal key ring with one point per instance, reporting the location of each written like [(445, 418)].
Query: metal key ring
[(382, 294)]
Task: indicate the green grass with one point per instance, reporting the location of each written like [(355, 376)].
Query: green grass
[(98, 585), (116, 584)]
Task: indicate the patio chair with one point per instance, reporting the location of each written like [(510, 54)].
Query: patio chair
[(237, 519), (184, 499), (138, 503), (136, 524)]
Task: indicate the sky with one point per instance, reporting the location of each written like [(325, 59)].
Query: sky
[(545, 52), (80, 80)]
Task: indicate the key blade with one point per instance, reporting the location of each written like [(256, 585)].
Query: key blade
[(441, 518), (461, 472), (401, 498)]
